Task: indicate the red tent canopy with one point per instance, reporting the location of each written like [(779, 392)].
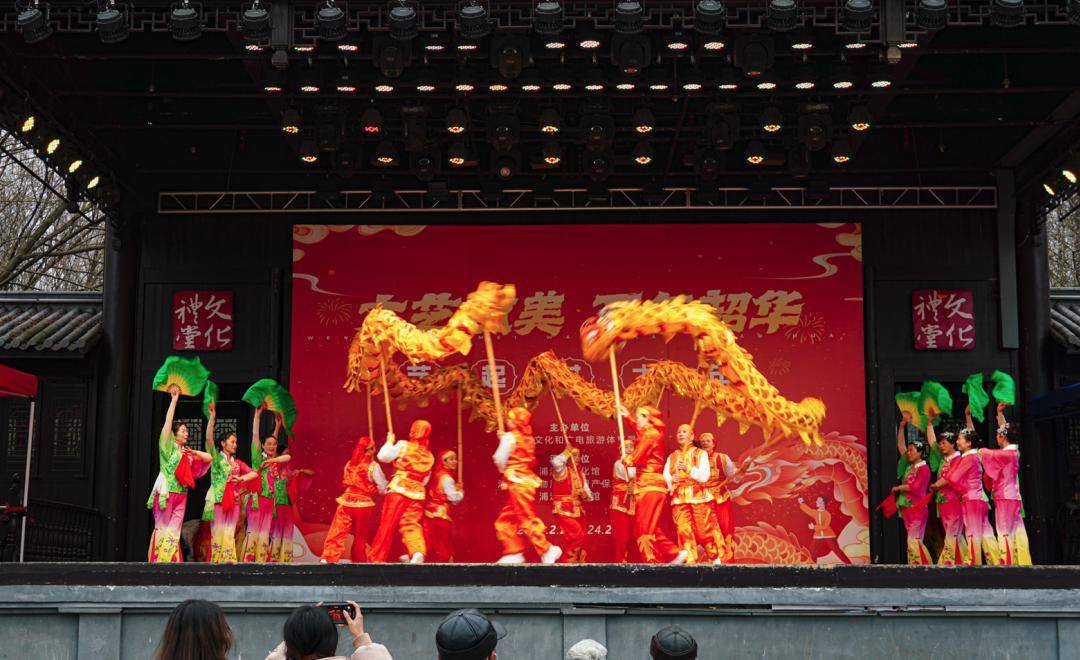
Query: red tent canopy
[(16, 383)]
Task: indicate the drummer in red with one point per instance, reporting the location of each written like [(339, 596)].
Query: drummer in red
[(442, 493)]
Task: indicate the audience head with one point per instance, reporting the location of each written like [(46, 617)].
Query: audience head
[(673, 643), (196, 629), (468, 635), (310, 633), (587, 649)]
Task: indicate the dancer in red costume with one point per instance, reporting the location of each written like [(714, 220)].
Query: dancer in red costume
[(686, 472), (650, 490), (913, 502), (1003, 475), (362, 479), (570, 490), (516, 458), (721, 467), (954, 550), (404, 505), (966, 476), (442, 493), (622, 509)]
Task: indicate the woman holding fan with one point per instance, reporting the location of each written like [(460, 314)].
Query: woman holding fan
[(1003, 474), (260, 510), (227, 473), (911, 495)]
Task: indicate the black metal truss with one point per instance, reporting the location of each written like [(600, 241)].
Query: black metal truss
[(576, 199)]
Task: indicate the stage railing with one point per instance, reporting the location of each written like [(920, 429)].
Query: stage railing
[(55, 531)]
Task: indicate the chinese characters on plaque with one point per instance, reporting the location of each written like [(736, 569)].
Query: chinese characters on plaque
[(943, 320), (202, 320)]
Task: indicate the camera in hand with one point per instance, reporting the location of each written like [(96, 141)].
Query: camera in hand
[(337, 612)]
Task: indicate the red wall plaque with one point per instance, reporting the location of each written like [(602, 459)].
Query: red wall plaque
[(943, 320), (202, 320)]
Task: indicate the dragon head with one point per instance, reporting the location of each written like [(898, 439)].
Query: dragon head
[(598, 333)]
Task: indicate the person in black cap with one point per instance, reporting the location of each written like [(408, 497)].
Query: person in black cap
[(468, 635), (673, 643)]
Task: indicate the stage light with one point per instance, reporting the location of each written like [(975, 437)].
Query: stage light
[(464, 84), (643, 153), (599, 130), (456, 121), (551, 153), (274, 81), (255, 23), (907, 45), (815, 128), (345, 84), (309, 153), (503, 131), (457, 154), (857, 15), (28, 124), (112, 25), (548, 21), (1049, 190), (1074, 12), (709, 17), (1069, 175), (766, 83), (550, 121), (841, 150), (52, 145), (392, 56), (498, 86), (402, 22), (842, 78), (371, 121), (508, 55), (1007, 13), (629, 18), (631, 53), (185, 22), (384, 86), (34, 23), (310, 82), (290, 121), (691, 81), (506, 166), (859, 119), (771, 120), (805, 79), (931, 14), (881, 78), (643, 120), (93, 182), (588, 41), (595, 81), (782, 15), (707, 165), (722, 126), (626, 83), (755, 153), (530, 82), (657, 80), (425, 165), (425, 83), (802, 41), (855, 45), (385, 154), (434, 42), (473, 21), (598, 167), (330, 22), (74, 166), (713, 44), (729, 79), (677, 43), (253, 48)]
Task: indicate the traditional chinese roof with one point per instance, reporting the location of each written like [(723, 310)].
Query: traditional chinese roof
[(50, 321), (1065, 317)]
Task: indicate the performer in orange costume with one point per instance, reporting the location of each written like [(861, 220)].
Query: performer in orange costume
[(362, 479), (720, 468), (570, 489), (515, 459), (650, 490), (442, 492), (622, 508), (404, 504), (686, 472)]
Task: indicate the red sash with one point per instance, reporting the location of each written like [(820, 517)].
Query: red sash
[(183, 472), (888, 507)]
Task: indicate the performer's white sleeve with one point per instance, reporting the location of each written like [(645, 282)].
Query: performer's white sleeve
[(667, 472), (700, 472), (506, 447), (729, 465), (449, 488), (389, 453), (620, 471), (585, 485), (379, 478)]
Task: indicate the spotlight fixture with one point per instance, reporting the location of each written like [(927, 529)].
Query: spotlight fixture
[(310, 82), (290, 121), (841, 150), (1069, 175), (855, 44), (588, 41), (464, 84), (456, 121), (425, 83), (1049, 190), (551, 153), (74, 165), (805, 79), (754, 54), (598, 130), (385, 154), (506, 166), (626, 83), (931, 14), (859, 118), (782, 15), (766, 83), (371, 121), (433, 42), (530, 82), (631, 53), (595, 81), (309, 153), (345, 84), (112, 24), (755, 153), (384, 86), (722, 128), (550, 122), (657, 80), (473, 21), (185, 22), (709, 17), (457, 154), (729, 79), (677, 43), (274, 82), (51, 145), (255, 23), (498, 86), (842, 78), (598, 167), (27, 124), (93, 182), (1007, 13), (34, 23), (392, 56), (857, 15), (643, 153), (509, 53), (881, 78), (402, 22), (330, 22), (771, 120), (713, 44), (425, 165), (629, 18), (802, 41), (692, 81), (815, 126), (503, 131), (644, 121), (548, 20)]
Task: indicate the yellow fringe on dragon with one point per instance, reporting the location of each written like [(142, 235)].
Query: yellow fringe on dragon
[(715, 343), (485, 309)]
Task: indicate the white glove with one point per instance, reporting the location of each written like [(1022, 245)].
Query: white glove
[(559, 461), (390, 437), (506, 436)]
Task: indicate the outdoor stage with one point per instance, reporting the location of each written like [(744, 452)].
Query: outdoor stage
[(117, 610)]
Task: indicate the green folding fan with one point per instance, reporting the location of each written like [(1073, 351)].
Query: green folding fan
[(977, 396), (210, 396), (908, 402), (934, 398), (1004, 388), (187, 373), (276, 398)]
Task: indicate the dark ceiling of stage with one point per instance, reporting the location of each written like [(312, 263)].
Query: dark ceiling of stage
[(165, 114)]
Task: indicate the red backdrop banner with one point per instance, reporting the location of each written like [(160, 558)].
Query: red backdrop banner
[(791, 292)]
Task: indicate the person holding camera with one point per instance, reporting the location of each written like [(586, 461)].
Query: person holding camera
[(310, 634)]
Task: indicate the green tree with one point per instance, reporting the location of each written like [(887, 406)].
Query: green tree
[(1063, 243)]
